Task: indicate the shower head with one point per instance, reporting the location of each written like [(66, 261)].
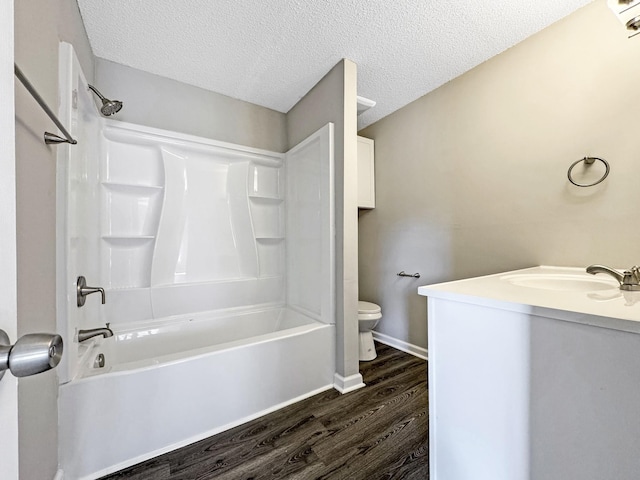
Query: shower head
[(109, 107)]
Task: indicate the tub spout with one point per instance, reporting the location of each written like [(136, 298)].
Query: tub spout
[(94, 332), (629, 280)]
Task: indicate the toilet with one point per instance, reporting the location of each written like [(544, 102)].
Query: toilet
[(369, 314)]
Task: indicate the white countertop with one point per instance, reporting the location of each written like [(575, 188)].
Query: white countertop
[(579, 296)]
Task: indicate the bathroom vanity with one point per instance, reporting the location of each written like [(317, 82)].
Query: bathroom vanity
[(534, 374)]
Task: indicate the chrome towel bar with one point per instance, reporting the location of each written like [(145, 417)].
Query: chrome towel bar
[(49, 138), (403, 274)]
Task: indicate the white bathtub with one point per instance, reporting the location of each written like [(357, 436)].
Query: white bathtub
[(172, 382)]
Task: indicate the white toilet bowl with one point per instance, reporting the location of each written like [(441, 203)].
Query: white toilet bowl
[(369, 314)]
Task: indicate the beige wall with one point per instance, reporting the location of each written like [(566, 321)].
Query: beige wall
[(39, 26), (171, 105), (333, 99), (471, 178)]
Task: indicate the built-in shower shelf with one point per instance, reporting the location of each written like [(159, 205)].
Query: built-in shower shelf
[(269, 239), (132, 187), (261, 199), (128, 240)]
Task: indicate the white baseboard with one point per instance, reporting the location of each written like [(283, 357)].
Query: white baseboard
[(347, 384), (401, 345)]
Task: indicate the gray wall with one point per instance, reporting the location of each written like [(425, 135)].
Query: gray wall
[(471, 178), (39, 26), (333, 99), (171, 105)]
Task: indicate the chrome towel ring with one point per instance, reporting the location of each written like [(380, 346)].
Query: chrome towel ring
[(588, 161)]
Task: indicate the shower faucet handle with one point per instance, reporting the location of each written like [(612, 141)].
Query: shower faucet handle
[(83, 290)]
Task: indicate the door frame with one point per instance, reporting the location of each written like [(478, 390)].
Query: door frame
[(8, 267)]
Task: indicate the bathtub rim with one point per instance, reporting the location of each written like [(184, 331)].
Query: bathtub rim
[(85, 372)]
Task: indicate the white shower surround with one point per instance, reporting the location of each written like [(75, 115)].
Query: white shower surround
[(195, 241), (188, 224)]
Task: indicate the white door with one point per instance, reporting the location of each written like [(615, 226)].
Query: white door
[(8, 301)]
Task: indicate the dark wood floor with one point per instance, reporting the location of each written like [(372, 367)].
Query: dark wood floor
[(377, 432)]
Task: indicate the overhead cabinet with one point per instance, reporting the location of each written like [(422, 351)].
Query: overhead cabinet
[(366, 174)]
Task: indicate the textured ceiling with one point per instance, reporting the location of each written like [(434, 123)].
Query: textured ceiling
[(272, 52)]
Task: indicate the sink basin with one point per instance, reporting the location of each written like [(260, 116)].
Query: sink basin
[(561, 282)]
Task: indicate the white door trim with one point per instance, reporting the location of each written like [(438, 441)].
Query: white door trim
[(8, 282)]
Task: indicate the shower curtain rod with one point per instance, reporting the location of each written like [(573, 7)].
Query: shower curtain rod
[(49, 138)]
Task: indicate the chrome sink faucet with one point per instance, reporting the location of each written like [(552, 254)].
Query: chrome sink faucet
[(94, 332), (629, 280)]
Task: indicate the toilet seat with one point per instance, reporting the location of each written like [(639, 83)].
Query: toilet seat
[(368, 308)]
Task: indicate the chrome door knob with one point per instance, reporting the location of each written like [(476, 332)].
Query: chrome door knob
[(32, 354)]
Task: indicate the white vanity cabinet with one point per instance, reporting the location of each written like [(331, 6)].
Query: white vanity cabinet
[(366, 174), (534, 375)]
